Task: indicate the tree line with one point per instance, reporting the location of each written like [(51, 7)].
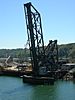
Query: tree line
[(64, 51)]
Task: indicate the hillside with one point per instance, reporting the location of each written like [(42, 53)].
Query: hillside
[(65, 51), (15, 53)]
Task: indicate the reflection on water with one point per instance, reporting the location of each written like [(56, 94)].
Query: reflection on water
[(14, 89), (43, 93)]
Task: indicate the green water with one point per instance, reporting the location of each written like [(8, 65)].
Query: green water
[(14, 89)]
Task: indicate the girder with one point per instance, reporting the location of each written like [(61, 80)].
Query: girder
[(35, 35), (40, 56)]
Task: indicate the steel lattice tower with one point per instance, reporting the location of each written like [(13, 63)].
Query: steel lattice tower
[(35, 35)]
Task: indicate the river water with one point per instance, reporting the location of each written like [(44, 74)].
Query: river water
[(14, 89)]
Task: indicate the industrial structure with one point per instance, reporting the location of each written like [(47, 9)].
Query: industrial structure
[(44, 67), (44, 60)]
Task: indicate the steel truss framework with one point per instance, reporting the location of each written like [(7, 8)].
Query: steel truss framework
[(39, 55), (35, 35), (51, 53)]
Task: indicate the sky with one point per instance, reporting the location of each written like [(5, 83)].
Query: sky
[(58, 22)]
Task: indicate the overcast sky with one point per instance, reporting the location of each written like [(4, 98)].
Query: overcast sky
[(58, 21)]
